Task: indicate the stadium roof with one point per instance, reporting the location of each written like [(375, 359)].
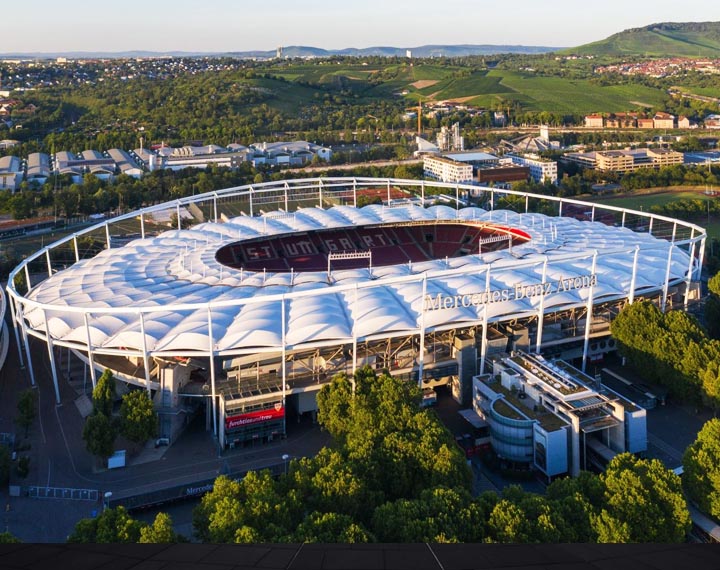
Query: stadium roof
[(174, 277)]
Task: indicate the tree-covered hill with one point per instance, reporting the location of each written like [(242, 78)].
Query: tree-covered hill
[(668, 39)]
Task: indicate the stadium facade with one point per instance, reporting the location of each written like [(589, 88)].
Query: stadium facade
[(256, 296)]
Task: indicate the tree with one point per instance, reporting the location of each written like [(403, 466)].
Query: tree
[(104, 393), (526, 517), (111, 526), (138, 418), (159, 532), (26, 409), (23, 466), (331, 527), (99, 435), (438, 515), (643, 502), (7, 538), (701, 468)]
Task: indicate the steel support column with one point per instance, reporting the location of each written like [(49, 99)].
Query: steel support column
[(146, 361), (541, 308), (26, 342), (483, 340), (91, 358), (666, 284), (689, 274), (633, 278), (211, 348), (589, 314), (284, 364), (16, 324), (51, 355), (421, 348)]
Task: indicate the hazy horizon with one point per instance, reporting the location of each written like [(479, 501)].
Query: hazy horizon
[(232, 25)]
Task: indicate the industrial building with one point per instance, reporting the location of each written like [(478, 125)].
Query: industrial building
[(11, 173)]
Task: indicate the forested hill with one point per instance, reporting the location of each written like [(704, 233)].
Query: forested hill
[(389, 51), (462, 50), (691, 39)]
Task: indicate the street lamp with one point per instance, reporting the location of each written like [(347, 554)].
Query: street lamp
[(106, 501), (285, 458)]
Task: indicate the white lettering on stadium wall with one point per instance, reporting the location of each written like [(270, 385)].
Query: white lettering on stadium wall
[(516, 293)]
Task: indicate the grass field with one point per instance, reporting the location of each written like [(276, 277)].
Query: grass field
[(646, 199), (481, 87)]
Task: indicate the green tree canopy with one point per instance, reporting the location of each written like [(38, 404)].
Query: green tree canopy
[(331, 527), (159, 532), (104, 393), (643, 503), (99, 435), (26, 409), (111, 526), (138, 418), (438, 515), (7, 538), (701, 468)]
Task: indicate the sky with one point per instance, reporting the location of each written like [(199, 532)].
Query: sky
[(241, 25)]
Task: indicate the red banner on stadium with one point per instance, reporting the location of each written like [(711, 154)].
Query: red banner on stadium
[(256, 417)]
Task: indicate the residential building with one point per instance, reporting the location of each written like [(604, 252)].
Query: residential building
[(8, 143), (663, 120), (712, 122), (622, 121), (683, 122), (553, 417), (541, 169), (594, 121), (646, 123), (447, 170)]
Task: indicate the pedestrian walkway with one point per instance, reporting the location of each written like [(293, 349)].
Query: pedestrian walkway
[(75, 371), (666, 448), (84, 405)]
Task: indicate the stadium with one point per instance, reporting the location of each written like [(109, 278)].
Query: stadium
[(244, 302)]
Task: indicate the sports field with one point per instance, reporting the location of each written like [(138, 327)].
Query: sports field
[(643, 200)]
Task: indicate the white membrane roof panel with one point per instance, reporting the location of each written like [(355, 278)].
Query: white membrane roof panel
[(175, 276)]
